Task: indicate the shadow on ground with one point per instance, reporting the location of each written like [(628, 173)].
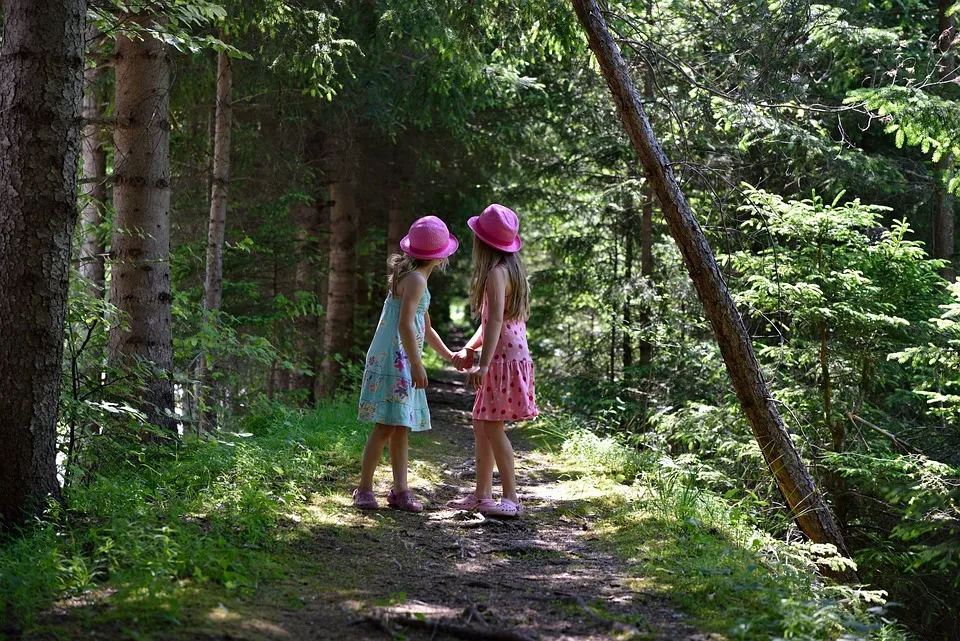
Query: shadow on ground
[(355, 575)]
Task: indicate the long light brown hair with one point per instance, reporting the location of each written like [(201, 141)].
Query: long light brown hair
[(485, 258), (400, 264)]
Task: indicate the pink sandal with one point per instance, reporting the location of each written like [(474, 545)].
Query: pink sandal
[(504, 508), (469, 503), (403, 501), (364, 500)]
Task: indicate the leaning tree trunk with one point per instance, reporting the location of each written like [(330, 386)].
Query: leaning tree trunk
[(140, 254), (342, 289), (41, 81), (944, 216), (94, 180), (213, 282), (807, 504)]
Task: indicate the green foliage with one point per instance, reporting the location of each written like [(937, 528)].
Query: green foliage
[(708, 556), (178, 23), (211, 512), (938, 361), (838, 291), (926, 494), (916, 118)]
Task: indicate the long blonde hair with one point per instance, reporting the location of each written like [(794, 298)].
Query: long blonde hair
[(486, 258), (400, 264)]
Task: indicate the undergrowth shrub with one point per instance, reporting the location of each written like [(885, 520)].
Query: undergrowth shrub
[(709, 554), (165, 518)]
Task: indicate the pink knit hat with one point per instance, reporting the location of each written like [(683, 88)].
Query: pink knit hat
[(497, 226), (428, 239)]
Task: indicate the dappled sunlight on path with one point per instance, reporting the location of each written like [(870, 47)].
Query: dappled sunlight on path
[(345, 574)]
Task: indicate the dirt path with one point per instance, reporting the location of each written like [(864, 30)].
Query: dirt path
[(347, 575), (539, 577)]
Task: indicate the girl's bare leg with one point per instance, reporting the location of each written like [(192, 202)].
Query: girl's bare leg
[(503, 454), (372, 452), (484, 461), (399, 444)]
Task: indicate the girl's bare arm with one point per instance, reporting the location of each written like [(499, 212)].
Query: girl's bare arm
[(411, 288), (433, 338)]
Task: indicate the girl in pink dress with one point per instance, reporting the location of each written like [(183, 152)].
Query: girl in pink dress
[(503, 378)]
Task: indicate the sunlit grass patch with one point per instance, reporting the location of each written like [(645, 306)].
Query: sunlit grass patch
[(158, 522), (679, 539)]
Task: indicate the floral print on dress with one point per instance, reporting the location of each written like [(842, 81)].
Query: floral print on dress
[(387, 395), (367, 411)]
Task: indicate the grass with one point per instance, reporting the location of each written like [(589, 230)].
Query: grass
[(208, 523), (688, 544)]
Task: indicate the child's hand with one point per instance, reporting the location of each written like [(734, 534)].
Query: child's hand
[(419, 375), (463, 359), (476, 376)]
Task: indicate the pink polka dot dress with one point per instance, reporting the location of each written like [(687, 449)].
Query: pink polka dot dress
[(508, 391)]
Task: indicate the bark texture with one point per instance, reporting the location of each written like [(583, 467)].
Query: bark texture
[(306, 216), (216, 229), (809, 508), (94, 182), (140, 282), (342, 287), (213, 283), (944, 204), (41, 83), (402, 167)]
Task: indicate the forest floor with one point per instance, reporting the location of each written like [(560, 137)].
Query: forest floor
[(384, 574)]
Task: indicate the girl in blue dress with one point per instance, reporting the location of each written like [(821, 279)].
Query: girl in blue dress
[(394, 380)]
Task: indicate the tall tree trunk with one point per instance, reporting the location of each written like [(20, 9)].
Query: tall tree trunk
[(140, 282), (944, 214), (41, 82), (398, 216), (213, 281), (646, 270), (626, 228), (342, 291), (95, 182), (306, 216), (646, 226), (397, 223), (323, 286), (614, 288), (807, 504)]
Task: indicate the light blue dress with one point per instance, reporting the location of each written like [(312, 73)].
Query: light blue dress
[(388, 395)]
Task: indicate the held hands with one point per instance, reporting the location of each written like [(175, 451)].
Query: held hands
[(419, 375), (475, 377), (463, 359)]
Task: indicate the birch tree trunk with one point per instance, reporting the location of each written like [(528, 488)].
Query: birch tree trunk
[(216, 231), (95, 182), (41, 81), (342, 288), (213, 283), (809, 508), (140, 279)]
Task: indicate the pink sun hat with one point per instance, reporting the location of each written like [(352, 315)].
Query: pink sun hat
[(497, 226), (429, 239)]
